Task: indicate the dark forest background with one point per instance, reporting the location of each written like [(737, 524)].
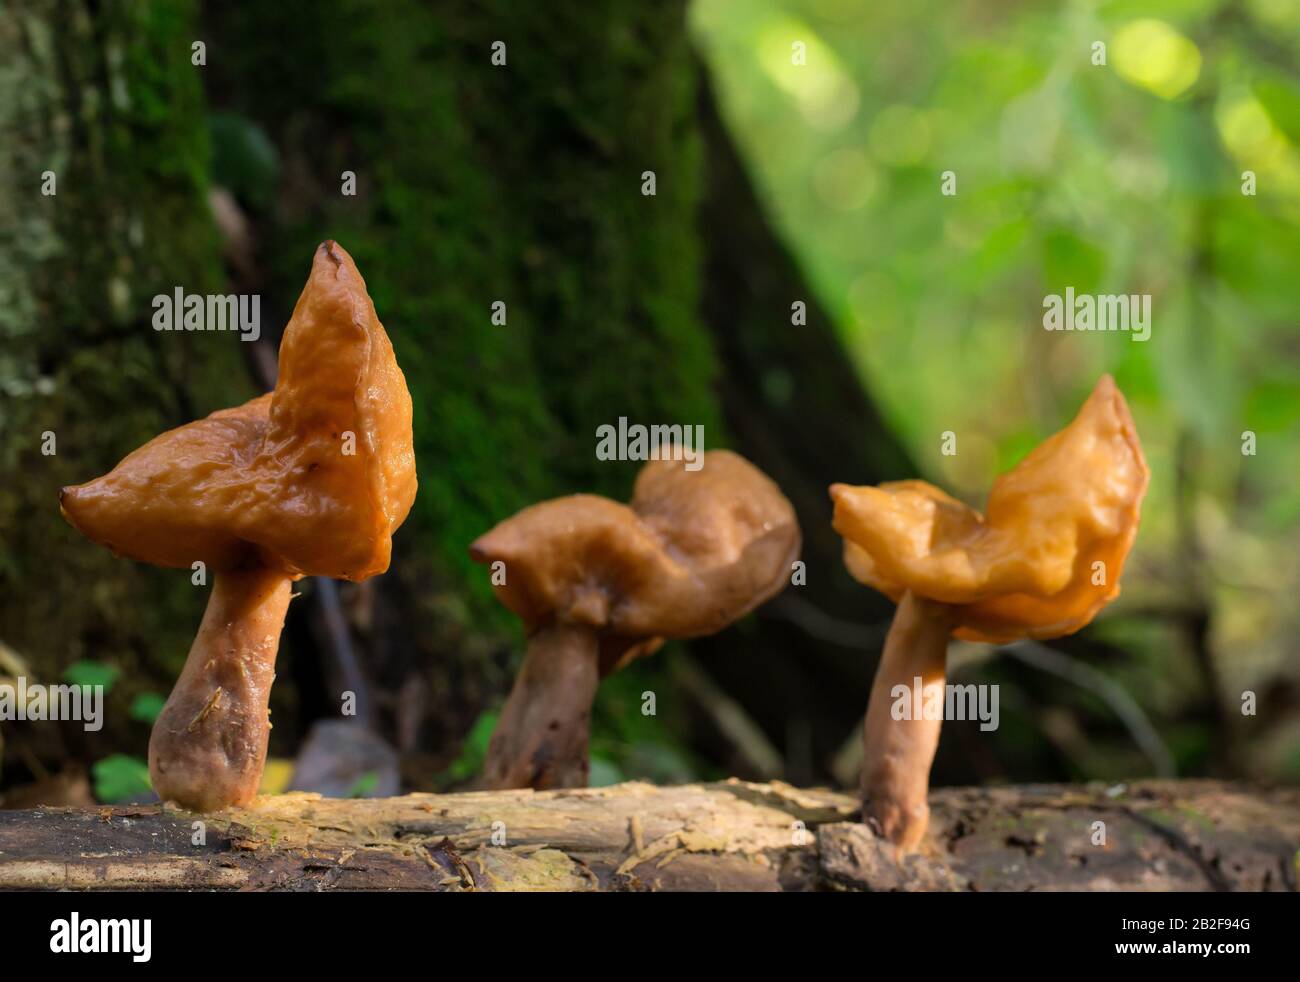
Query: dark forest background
[(522, 183)]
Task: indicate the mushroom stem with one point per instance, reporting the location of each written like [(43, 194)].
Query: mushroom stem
[(899, 751), (541, 739), (208, 746)]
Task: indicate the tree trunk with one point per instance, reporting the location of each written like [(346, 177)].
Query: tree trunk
[(479, 182), (525, 183), (797, 409), (103, 205), (1199, 836)]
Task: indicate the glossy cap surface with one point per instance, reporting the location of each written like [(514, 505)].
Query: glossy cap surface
[(1028, 568), (311, 479), (693, 552)]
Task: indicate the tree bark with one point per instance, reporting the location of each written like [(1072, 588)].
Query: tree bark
[(478, 182), (104, 160), (672, 308), (666, 308), (1189, 835)]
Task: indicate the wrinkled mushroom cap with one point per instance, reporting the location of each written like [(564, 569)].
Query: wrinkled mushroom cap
[(1026, 569), (269, 482), (695, 551)]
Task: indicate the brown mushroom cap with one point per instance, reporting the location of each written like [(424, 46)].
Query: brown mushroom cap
[(269, 482), (1025, 569), (693, 552)]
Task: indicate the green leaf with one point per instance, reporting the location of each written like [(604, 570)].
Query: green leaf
[(244, 159), (364, 785), (146, 707), (1281, 100), (603, 773), (1071, 260), (85, 673), (120, 778), (473, 751)]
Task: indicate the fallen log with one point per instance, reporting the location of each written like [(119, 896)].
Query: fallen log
[(733, 835)]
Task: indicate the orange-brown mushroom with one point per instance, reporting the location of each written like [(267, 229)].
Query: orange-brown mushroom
[(1041, 563), (598, 583), (311, 479)]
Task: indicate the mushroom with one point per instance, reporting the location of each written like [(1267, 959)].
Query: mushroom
[(308, 480), (598, 583), (1041, 563)]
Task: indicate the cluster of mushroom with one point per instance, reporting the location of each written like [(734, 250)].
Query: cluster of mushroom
[(598, 584), (313, 478)]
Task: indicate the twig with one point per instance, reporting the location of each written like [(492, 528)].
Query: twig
[(729, 717), (833, 630), (1083, 675), (820, 625)]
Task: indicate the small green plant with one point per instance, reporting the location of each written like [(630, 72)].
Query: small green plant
[(473, 751), (146, 706), (364, 786), (120, 777), (90, 673)]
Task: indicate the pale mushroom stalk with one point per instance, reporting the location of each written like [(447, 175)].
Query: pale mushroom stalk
[(208, 745), (541, 738), (899, 752)]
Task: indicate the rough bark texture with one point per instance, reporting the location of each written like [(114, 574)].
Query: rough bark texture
[(1193, 835), (102, 99)]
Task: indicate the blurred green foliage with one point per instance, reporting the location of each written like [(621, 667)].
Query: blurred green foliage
[(146, 706), (1124, 177), (473, 751), (89, 673), (638, 728), (364, 786), (120, 777)]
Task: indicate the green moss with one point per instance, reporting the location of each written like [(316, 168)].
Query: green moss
[(476, 183), (1196, 817), (111, 104), (521, 184)]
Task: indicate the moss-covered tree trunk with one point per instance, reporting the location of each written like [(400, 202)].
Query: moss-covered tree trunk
[(501, 153), (484, 175), (103, 204), (794, 406)]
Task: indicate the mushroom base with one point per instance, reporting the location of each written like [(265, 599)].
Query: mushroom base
[(208, 746), (899, 752), (541, 739)]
